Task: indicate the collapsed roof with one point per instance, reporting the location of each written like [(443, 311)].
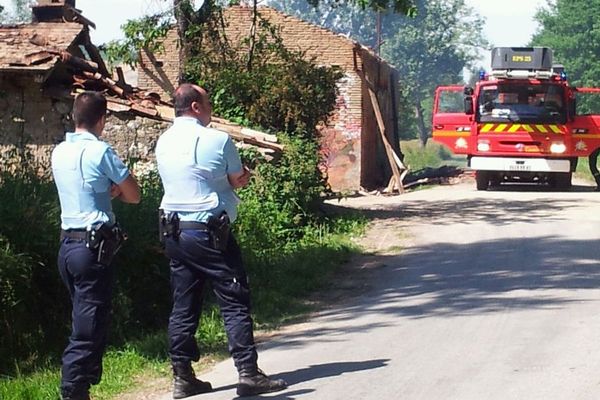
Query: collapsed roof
[(59, 55)]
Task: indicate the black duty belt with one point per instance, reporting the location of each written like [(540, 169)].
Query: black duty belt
[(80, 234), (199, 226)]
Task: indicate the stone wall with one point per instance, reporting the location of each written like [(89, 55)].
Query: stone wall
[(29, 119), (133, 138), (35, 122)]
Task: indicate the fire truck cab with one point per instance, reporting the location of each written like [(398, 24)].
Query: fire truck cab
[(520, 123)]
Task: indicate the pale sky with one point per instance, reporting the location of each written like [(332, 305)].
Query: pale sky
[(508, 22)]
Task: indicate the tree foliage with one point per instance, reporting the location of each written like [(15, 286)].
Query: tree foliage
[(345, 18), (572, 29), (258, 81), (430, 48), (405, 7), (433, 49), (145, 33)]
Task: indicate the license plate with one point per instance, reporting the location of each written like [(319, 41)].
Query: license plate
[(519, 167)]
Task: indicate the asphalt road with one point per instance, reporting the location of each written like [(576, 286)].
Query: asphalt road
[(493, 295)]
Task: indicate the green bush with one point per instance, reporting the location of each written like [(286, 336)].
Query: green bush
[(259, 82), (31, 300), (142, 297), (34, 304)]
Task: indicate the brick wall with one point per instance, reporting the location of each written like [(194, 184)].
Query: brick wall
[(375, 168), (341, 138), (352, 152), (342, 135), (159, 72)]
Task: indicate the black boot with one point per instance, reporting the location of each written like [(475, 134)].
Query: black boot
[(80, 393), (253, 381), (77, 397), (185, 383)]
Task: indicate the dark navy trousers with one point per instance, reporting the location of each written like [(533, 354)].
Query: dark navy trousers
[(90, 287), (194, 263)]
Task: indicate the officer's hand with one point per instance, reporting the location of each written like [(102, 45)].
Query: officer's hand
[(115, 191), (240, 179), (246, 177)]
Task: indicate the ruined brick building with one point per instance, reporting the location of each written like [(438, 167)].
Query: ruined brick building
[(351, 144), (30, 56), (45, 63)]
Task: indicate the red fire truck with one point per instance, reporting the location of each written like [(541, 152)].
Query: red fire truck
[(519, 123)]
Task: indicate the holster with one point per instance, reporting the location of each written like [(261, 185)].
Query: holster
[(106, 239), (168, 226), (220, 229)]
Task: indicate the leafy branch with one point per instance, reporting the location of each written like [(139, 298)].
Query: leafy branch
[(147, 33)]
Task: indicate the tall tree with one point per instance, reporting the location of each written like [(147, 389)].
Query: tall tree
[(348, 19), (182, 9), (572, 29), (431, 48)]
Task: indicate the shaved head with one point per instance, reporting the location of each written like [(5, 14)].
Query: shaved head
[(186, 95)]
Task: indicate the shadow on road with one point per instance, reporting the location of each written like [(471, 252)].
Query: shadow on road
[(450, 279), (495, 211), (329, 369), (454, 279), (525, 187), (313, 372)]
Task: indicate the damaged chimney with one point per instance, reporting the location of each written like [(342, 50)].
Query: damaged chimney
[(52, 10), (59, 11)]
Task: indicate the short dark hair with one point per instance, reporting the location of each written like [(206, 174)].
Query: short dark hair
[(184, 96), (88, 108)]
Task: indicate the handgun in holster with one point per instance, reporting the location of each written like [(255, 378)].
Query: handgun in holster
[(106, 239), (168, 226), (220, 229)]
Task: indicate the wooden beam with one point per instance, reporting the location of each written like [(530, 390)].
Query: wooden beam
[(394, 161)]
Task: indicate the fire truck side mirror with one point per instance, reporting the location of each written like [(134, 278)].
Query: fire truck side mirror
[(469, 105)]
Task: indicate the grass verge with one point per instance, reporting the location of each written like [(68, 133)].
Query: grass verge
[(121, 367)]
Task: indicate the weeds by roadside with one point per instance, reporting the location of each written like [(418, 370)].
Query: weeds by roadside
[(432, 155)]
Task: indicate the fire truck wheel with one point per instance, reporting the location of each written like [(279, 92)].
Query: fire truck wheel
[(482, 180)]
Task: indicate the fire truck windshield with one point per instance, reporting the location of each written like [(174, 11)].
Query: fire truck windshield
[(521, 102)]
